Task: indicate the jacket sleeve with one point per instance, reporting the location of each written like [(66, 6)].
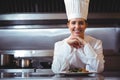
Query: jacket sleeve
[(94, 58), (61, 57)]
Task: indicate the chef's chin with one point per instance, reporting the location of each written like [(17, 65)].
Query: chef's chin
[(77, 35)]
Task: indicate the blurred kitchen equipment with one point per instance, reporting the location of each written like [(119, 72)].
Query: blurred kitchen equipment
[(23, 63), (6, 60)]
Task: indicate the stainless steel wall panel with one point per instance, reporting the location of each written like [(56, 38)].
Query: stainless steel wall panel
[(30, 39), (107, 35), (44, 39), (55, 16), (118, 40)]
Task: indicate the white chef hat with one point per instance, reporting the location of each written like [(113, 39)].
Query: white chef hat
[(76, 8)]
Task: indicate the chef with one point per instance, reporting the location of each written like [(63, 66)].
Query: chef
[(78, 50)]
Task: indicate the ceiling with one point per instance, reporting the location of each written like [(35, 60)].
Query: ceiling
[(55, 6)]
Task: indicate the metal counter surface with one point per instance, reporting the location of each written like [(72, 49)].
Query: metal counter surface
[(112, 75)]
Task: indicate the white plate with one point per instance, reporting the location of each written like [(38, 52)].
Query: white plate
[(76, 73)]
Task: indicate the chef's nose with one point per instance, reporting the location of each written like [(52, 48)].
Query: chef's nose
[(78, 25)]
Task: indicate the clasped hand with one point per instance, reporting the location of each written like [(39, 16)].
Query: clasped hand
[(76, 42)]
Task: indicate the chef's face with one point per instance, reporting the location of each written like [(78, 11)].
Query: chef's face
[(77, 26)]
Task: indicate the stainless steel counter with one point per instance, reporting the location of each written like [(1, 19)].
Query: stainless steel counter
[(37, 76)]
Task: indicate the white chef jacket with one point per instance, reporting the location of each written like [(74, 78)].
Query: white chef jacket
[(90, 56)]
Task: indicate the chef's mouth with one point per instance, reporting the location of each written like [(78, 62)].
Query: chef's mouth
[(80, 31)]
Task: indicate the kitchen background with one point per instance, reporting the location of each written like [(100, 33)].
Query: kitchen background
[(29, 29), (101, 12)]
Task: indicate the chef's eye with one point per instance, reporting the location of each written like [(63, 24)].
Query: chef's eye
[(81, 23), (73, 22)]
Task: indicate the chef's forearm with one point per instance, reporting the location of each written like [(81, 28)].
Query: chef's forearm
[(61, 64), (95, 57)]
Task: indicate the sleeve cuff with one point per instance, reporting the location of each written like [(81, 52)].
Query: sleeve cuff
[(92, 65)]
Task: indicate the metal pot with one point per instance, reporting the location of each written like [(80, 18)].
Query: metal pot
[(23, 63), (6, 59)]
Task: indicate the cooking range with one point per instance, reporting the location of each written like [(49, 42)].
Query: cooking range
[(26, 59), (18, 63)]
